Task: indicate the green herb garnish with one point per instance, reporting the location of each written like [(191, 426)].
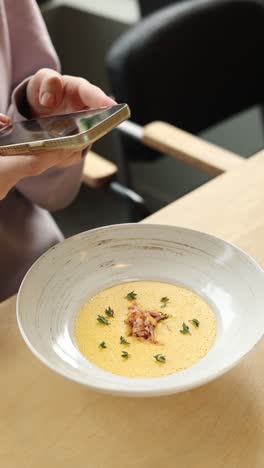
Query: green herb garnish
[(160, 358), (109, 312), (123, 340), (102, 345), (125, 354), (185, 329), (195, 322), (131, 296), (102, 319), (164, 301)]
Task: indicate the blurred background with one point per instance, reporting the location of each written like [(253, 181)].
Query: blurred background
[(83, 31)]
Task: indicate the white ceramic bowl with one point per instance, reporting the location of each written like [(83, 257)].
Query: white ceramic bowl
[(63, 278)]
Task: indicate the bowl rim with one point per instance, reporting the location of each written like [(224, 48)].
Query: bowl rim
[(154, 392)]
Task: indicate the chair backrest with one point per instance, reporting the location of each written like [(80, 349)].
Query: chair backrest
[(192, 64), (149, 6)]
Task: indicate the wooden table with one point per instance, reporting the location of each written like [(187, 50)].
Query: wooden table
[(49, 422)]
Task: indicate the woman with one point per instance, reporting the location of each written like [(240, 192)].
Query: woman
[(31, 86)]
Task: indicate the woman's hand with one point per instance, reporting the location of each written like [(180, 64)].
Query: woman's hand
[(49, 93), (4, 120), (15, 168)]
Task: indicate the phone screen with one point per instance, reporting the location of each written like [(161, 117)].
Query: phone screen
[(56, 126)]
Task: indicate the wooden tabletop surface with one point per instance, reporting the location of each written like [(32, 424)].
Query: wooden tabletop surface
[(49, 422)]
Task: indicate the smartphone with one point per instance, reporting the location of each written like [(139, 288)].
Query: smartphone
[(73, 131)]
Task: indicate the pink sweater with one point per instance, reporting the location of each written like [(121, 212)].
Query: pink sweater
[(26, 228)]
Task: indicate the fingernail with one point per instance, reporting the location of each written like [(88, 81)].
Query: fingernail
[(47, 99), (4, 118)]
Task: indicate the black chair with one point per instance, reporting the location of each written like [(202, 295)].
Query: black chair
[(149, 6), (192, 65)]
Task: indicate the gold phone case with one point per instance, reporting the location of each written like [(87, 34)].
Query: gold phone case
[(74, 142)]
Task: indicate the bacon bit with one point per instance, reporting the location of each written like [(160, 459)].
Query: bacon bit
[(142, 323)]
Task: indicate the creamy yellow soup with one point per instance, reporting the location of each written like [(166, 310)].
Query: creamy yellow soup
[(176, 347)]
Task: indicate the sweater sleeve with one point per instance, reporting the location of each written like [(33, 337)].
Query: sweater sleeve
[(31, 50)]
